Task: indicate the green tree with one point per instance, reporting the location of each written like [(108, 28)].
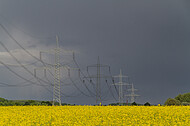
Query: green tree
[(3, 100), (11, 103), (179, 97), (183, 97), (185, 103), (64, 104), (171, 101), (19, 103), (27, 103), (46, 103), (186, 97), (1, 104)]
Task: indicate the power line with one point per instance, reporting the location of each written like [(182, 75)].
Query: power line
[(109, 87), (22, 46), (27, 33), (81, 73), (17, 60), (98, 76), (57, 67), (132, 95), (21, 84), (26, 52), (113, 82), (28, 80), (120, 84), (85, 77), (17, 74), (79, 89), (38, 79), (18, 42)]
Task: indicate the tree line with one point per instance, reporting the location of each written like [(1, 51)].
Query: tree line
[(181, 99), (5, 102)]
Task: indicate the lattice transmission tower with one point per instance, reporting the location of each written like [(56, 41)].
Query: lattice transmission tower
[(56, 67), (121, 84), (132, 95), (98, 78)]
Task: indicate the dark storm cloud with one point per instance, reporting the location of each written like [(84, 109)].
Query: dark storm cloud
[(148, 39)]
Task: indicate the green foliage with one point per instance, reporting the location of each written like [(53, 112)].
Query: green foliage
[(27, 103), (64, 104), (185, 103), (56, 103), (3, 100), (46, 103), (114, 104), (171, 101), (32, 102), (19, 103), (10, 103), (181, 99), (1, 103), (184, 97)]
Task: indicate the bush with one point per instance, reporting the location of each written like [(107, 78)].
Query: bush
[(185, 103), (147, 104), (3, 100), (46, 103), (19, 103), (171, 101), (134, 103), (27, 103), (184, 97), (1, 104)]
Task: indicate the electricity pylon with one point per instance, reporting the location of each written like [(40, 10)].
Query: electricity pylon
[(132, 95), (98, 77), (120, 84), (56, 67)]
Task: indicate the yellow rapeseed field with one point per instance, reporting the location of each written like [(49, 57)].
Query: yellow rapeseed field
[(95, 115)]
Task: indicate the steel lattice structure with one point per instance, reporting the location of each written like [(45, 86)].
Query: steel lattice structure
[(120, 84), (56, 67)]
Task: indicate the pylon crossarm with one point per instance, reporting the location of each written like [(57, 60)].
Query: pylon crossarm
[(49, 52), (70, 68), (100, 65), (95, 76), (57, 52), (41, 68), (45, 67), (98, 78), (119, 76), (65, 51), (135, 95), (121, 84), (53, 51), (128, 95), (132, 89)]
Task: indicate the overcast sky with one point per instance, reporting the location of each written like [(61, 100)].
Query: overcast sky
[(149, 40)]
